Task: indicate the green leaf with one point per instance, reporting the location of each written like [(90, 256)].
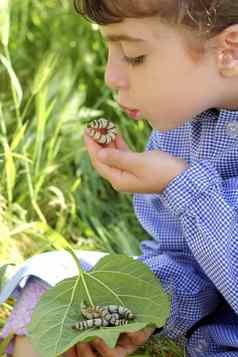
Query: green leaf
[(44, 72), (19, 135), (115, 279), (4, 21), (3, 270), (14, 80), (10, 169), (5, 342)]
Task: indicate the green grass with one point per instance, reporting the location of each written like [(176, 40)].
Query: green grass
[(58, 60), (52, 69)]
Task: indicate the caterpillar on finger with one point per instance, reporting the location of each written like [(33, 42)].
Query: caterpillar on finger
[(102, 131)]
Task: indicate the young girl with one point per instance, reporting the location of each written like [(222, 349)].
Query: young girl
[(174, 63)]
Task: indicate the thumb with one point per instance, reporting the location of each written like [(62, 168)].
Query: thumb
[(120, 143)]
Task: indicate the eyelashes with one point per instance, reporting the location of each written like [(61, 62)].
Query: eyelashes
[(135, 61), (102, 131)]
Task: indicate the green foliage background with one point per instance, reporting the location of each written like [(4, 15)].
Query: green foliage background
[(52, 79), (58, 60)]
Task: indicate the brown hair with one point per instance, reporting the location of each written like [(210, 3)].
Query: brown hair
[(208, 17)]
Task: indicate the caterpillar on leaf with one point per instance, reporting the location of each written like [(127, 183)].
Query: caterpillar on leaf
[(99, 322), (102, 316)]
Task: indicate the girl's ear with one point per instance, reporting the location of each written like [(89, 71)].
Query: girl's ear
[(227, 54)]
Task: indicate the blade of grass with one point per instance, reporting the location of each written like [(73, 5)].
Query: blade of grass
[(4, 21)]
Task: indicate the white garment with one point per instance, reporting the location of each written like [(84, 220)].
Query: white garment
[(50, 267)]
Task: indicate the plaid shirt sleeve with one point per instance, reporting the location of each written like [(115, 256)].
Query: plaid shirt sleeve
[(202, 273), (193, 295), (207, 206), (208, 217)]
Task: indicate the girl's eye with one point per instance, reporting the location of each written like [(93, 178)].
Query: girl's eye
[(134, 61)]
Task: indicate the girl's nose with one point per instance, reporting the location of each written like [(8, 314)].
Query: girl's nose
[(115, 75)]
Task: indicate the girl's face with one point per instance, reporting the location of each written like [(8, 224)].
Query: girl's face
[(150, 67)]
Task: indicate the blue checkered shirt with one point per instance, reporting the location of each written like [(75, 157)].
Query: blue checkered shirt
[(194, 225)]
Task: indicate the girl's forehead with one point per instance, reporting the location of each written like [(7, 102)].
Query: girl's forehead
[(132, 7), (134, 30)]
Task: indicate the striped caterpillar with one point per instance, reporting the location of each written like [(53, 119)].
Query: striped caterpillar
[(102, 316), (102, 131), (100, 322)]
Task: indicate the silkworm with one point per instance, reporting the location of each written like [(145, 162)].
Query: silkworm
[(121, 322), (122, 311), (102, 131), (87, 324), (103, 316), (104, 310)]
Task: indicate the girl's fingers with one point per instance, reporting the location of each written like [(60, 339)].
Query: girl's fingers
[(131, 341), (91, 143), (101, 347), (121, 180), (93, 149), (85, 350), (114, 157), (71, 353), (125, 345), (120, 143), (140, 337), (128, 161)]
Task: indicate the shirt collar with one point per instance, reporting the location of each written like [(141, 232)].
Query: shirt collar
[(229, 115), (210, 114), (215, 114)]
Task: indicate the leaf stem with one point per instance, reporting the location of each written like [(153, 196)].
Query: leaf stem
[(76, 259), (81, 274)]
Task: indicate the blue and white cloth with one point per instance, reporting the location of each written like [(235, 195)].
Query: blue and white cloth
[(193, 222), (195, 230)]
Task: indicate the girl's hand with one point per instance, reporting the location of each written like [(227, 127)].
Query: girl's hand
[(128, 171), (127, 344)]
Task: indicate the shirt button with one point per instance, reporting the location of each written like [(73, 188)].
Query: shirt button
[(232, 129)]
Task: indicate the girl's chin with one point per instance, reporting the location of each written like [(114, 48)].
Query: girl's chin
[(163, 128), (158, 124)]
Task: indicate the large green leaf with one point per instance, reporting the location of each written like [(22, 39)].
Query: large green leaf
[(3, 270), (115, 279)]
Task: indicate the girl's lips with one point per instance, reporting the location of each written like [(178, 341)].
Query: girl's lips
[(134, 113)]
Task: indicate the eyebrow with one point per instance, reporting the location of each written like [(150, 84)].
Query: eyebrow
[(126, 38)]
